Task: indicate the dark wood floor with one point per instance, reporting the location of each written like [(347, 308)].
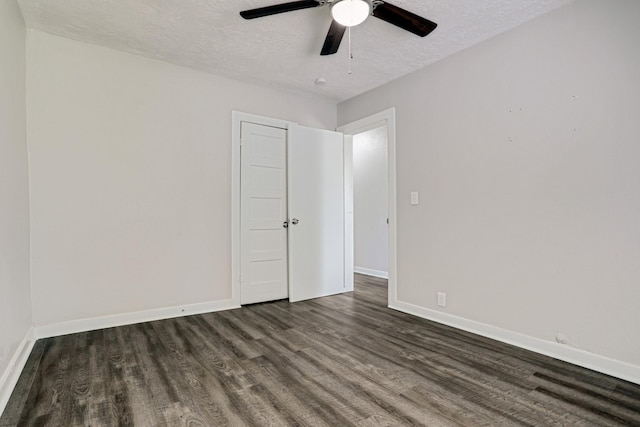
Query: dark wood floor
[(335, 361)]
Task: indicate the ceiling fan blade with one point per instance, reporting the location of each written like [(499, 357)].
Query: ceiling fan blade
[(278, 8), (404, 19), (333, 39)]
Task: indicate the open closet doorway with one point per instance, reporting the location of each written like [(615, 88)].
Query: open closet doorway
[(288, 216), (355, 133)]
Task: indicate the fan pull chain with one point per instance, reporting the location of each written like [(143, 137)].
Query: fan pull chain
[(350, 55)]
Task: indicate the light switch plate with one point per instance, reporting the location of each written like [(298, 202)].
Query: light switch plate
[(414, 197)]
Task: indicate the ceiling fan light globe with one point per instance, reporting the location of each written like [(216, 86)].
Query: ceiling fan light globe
[(350, 12)]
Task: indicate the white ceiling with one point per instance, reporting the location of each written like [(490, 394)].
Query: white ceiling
[(280, 50)]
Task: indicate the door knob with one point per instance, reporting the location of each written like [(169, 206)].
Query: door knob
[(285, 224), (294, 221)]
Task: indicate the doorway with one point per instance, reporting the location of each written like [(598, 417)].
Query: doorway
[(386, 120), (288, 211), (371, 202)]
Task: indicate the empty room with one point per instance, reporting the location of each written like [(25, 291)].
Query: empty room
[(319, 212)]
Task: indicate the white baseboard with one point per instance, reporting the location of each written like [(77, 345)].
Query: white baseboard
[(10, 376), (616, 368), (83, 325), (370, 272)]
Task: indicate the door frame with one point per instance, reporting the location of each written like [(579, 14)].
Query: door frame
[(388, 118), (237, 117)]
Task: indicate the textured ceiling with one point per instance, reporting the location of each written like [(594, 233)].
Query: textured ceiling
[(280, 50)]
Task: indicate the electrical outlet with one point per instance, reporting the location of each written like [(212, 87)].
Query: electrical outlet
[(442, 299)]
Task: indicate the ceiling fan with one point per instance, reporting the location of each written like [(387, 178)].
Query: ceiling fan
[(347, 13)]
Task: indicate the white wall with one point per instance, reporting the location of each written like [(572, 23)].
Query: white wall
[(370, 201), (525, 151), (15, 299), (131, 178)]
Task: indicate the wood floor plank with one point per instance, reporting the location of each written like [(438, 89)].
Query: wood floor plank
[(292, 392), (342, 360)]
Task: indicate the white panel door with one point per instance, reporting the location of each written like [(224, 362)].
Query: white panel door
[(263, 210), (316, 213)]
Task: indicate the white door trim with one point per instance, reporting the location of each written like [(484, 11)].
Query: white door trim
[(387, 117), (237, 118)]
